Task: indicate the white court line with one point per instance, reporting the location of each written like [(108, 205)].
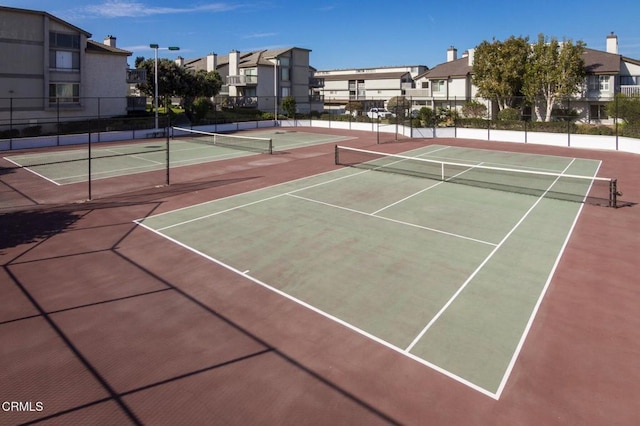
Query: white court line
[(195, 219), (525, 333), (33, 171), (404, 352), (270, 187), (426, 228), (126, 154), (325, 314), (484, 262)]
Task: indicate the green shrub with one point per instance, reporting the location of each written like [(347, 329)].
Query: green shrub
[(509, 114), (9, 134), (32, 131)]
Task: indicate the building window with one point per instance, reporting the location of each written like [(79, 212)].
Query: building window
[(425, 84), (438, 86), (598, 112), (286, 91), (64, 40), (64, 51), (284, 68), (63, 60), (64, 93), (599, 83)]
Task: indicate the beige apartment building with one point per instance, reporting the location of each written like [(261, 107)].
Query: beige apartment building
[(262, 79), (373, 87), (51, 71)]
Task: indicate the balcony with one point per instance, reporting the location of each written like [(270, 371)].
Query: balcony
[(417, 93), (136, 76), (242, 80), (240, 102), (316, 82), (630, 90)]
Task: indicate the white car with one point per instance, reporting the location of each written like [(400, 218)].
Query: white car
[(379, 113)]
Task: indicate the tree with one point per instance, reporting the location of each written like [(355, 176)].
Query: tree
[(200, 85), (474, 109), (399, 105), (498, 69), (354, 107), (626, 108), (554, 70), (289, 106), (174, 80)]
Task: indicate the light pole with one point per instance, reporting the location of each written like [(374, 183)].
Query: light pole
[(275, 62), (155, 47)]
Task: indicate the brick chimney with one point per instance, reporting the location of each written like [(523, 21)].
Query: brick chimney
[(452, 54), (612, 43), (110, 41)]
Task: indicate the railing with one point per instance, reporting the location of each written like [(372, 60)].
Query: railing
[(242, 80), (630, 90), (316, 82), (136, 76)]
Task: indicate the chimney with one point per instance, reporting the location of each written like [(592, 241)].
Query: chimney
[(179, 61), (212, 62), (452, 54), (470, 55), (234, 60), (110, 41), (612, 43)]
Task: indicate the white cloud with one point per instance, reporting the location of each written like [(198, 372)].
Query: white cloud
[(134, 9), (260, 35)]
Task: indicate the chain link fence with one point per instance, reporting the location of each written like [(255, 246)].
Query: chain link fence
[(104, 119)]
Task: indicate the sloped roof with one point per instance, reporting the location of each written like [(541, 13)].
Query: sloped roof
[(245, 60), (599, 62), (458, 68), (95, 47), (595, 62), (395, 75)]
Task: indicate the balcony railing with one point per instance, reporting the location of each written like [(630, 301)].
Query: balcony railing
[(136, 76), (242, 80), (316, 82), (630, 90)]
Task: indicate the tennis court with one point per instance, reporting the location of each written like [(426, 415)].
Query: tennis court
[(186, 148), (448, 274)]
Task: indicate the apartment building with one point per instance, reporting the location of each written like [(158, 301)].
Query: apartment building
[(51, 71), (449, 84), (261, 79), (373, 87)]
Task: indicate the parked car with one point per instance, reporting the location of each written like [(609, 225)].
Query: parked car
[(379, 113)]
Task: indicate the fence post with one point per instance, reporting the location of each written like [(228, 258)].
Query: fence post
[(568, 121), (11, 123)]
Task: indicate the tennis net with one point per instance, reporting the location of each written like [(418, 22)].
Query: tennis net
[(244, 143), (582, 189)]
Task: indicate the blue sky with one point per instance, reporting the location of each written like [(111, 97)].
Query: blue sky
[(343, 34)]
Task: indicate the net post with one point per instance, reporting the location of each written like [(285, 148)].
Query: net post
[(335, 155), (613, 193)]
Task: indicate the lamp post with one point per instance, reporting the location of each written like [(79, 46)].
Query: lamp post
[(275, 62), (155, 47)]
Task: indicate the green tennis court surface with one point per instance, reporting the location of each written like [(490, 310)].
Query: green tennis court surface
[(72, 165), (449, 275)]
